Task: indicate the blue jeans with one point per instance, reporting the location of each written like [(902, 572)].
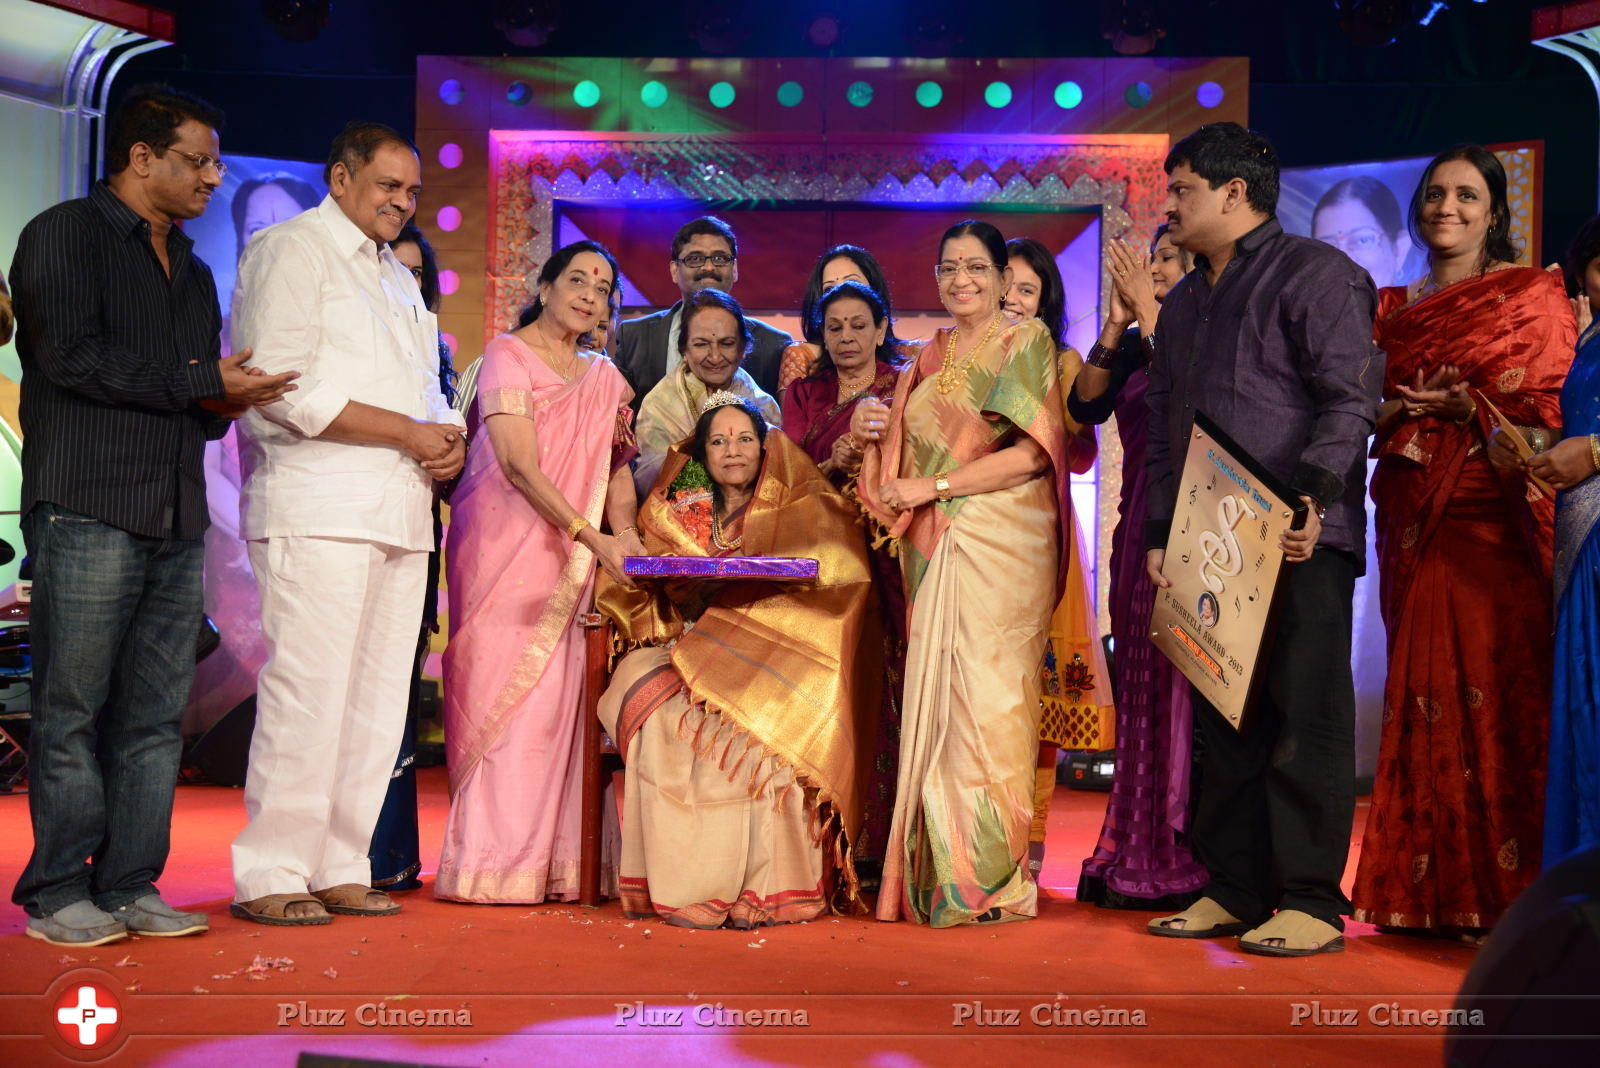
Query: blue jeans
[(113, 625)]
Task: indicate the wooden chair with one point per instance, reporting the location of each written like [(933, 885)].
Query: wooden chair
[(600, 756)]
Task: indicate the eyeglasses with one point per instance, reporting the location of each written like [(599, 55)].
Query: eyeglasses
[(696, 260), (944, 272), (1361, 239), (200, 161)]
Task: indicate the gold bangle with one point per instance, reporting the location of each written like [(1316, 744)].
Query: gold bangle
[(1594, 450), (941, 487), (1471, 412), (576, 527)]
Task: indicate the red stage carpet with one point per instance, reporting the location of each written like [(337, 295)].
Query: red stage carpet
[(562, 984)]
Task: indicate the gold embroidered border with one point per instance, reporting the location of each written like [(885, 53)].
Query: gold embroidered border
[(505, 401)]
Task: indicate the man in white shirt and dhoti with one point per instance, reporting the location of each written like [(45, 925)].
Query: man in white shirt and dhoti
[(339, 482)]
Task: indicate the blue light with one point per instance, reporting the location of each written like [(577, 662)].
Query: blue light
[(1209, 95)]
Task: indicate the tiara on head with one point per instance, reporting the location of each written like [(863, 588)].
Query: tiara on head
[(721, 398)]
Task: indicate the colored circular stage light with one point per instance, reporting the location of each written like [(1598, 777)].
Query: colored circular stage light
[(449, 218), (449, 343), (859, 94), (452, 92), (1209, 94), (997, 94), (449, 282), (722, 94), (1069, 95), (586, 94), (450, 155), (790, 94), (929, 94), (518, 94), (1139, 94), (652, 94)]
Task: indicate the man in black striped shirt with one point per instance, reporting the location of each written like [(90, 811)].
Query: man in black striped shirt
[(121, 388)]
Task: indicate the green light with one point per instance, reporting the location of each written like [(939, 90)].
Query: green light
[(586, 94), (722, 94), (997, 94), (790, 94), (859, 94), (652, 94), (929, 94), (1139, 94), (1069, 95)]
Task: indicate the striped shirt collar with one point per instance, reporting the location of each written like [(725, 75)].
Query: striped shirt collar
[(127, 222)]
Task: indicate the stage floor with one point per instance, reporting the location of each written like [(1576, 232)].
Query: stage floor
[(508, 984)]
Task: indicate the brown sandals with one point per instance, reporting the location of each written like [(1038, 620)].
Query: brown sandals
[(273, 910), (353, 899)]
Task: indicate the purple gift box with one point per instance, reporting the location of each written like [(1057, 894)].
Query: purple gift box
[(767, 568)]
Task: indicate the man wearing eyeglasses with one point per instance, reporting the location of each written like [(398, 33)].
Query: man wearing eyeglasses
[(122, 386), (705, 255)]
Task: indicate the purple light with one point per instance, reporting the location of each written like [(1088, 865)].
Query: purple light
[(450, 155), (449, 218), (1209, 94), (449, 282)]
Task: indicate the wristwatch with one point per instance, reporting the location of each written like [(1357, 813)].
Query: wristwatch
[(941, 488)]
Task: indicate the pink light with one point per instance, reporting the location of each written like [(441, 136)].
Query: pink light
[(449, 342), (449, 218), (449, 282), (450, 156)]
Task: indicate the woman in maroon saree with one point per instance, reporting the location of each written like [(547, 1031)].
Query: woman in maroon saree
[(858, 360), (1464, 552)]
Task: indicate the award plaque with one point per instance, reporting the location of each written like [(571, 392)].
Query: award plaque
[(1224, 563)]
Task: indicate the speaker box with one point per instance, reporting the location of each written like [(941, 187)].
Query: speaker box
[(223, 753)]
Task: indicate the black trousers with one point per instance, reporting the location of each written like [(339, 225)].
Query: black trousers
[(1275, 800)]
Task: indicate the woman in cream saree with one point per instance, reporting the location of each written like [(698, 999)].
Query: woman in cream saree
[(968, 471)]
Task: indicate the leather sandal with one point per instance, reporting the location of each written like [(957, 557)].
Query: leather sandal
[(1296, 934), (273, 910), (1204, 919), (352, 899)]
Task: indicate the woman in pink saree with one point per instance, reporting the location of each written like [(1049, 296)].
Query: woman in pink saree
[(550, 468)]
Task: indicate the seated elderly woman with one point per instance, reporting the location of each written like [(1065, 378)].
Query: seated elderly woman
[(744, 710), (712, 342)]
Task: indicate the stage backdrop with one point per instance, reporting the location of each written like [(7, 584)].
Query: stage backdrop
[(513, 149)]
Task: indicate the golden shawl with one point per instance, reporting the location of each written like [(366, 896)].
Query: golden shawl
[(793, 667), (669, 412)]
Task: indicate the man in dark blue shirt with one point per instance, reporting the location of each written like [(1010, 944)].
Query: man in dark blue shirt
[(1271, 336), (121, 388)]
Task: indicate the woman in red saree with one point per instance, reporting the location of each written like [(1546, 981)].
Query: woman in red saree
[(858, 360), (1464, 552)]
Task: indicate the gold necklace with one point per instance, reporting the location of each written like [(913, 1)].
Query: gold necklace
[(572, 361), (716, 534), (849, 389), (952, 374)]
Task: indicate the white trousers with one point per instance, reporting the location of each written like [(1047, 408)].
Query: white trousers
[(340, 619)]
